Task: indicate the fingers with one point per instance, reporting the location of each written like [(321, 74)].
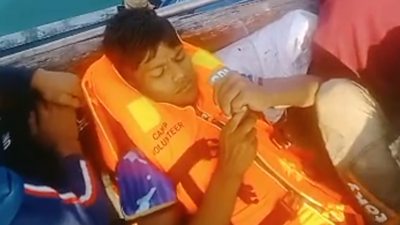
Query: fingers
[(219, 83), (251, 141), (64, 99), (76, 90), (243, 127), (252, 137), (46, 111), (225, 91), (67, 113), (61, 88), (233, 123), (226, 99), (238, 104), (253, 115), (68, 100), (246, 125)]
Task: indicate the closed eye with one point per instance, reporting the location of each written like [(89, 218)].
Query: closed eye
[(157, 72), (180, 56)]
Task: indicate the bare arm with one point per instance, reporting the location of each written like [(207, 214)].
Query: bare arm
[(238, 147), (235, 93), (298, 91), (238, 144)]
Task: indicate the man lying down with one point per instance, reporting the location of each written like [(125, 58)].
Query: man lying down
[(200, 141)]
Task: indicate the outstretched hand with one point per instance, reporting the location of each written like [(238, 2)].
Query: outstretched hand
[(238, 144)]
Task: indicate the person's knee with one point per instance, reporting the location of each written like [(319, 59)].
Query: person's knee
[(344, 100), (336, 93), (334, 87), (348, 117)]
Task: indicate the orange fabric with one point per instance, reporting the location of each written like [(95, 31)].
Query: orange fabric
[(168, 134)]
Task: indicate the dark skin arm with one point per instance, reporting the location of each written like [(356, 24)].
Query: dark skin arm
[(237, 152), (234, 92), (17, 84)]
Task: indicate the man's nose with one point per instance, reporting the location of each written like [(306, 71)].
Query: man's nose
[(177, 72)]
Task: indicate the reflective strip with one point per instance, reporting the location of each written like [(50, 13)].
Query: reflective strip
[(144, 113), (309, 215), (70, 198), (204, 59)]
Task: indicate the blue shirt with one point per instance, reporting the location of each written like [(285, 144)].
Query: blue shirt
[(81, 200), (24, 197), (143, 188)]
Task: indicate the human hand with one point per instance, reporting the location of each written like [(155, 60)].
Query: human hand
[(55, 126), (62, 88), (235, 93), (238, 144)]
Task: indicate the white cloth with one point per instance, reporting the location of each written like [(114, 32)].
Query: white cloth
[(280, 49), (132, 4)]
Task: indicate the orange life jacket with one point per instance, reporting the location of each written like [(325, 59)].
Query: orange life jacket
[(275, 190)]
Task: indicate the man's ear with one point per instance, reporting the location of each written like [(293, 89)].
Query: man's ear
[(179, 36)]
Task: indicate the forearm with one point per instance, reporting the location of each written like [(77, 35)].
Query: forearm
[(298, 91), (219, 201)]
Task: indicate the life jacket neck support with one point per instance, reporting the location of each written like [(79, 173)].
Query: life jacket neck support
[(181, 142)]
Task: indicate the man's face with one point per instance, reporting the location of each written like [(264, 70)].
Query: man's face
[(167, 77)]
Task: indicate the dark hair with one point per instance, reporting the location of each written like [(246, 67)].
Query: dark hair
[(132, 33)]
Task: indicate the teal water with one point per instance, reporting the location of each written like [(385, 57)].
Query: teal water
[(17, 15)]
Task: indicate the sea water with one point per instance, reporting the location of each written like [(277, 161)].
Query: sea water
[(17, 15)]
